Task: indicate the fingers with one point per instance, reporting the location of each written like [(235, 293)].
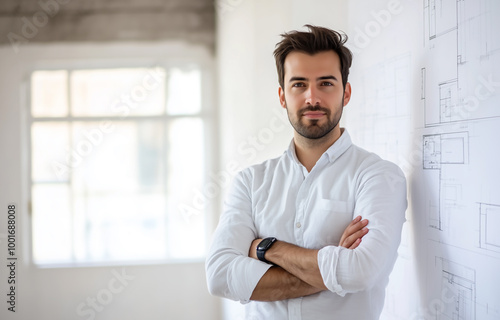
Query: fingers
[(354, 240), (356, 225), (355, 244), (351, 238), (354, 221)]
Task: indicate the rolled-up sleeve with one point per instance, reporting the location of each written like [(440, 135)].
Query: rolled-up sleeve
[(380, 197), (230, 272)]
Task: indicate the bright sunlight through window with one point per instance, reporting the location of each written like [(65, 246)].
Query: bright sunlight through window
[(115, 154)]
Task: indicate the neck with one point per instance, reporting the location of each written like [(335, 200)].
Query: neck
[(309, 151)]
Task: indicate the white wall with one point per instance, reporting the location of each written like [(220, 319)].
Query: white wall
[(165, 291)]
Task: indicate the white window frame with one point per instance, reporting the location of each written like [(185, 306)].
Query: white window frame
[(164, 55)]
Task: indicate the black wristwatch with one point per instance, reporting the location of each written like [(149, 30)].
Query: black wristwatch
[(263, 246)]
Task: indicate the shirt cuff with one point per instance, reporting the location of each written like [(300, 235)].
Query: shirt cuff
[(253, 271), (327, 263)]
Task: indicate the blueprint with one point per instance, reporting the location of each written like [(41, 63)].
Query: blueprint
[(426, 95)]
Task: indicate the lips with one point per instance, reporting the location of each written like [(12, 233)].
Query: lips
[(313, 114)]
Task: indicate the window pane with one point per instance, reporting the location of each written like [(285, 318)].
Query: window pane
[(125, 156), (49, 93), (118, 92), (187, 200), (119, 191), (51, 222), (50, 154), (120, 226), (100, 185), (184, 91)]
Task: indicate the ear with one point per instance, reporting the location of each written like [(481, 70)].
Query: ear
[(281, 94), (347, 93)]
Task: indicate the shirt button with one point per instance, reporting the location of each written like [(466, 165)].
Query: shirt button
[(298, 225)]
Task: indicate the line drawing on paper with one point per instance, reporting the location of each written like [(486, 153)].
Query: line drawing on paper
[(489, 222), (440, 150), (460, 281), (455, 51)]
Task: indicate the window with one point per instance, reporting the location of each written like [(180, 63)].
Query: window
[(115, 154)]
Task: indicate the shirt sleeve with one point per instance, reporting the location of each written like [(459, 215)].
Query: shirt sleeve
[(230, 272), (380, 198)]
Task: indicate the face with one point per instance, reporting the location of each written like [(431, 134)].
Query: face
[(313, 93)]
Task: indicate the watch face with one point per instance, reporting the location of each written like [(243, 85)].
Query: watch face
[(266, 243)]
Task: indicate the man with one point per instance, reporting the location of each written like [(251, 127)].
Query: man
[(287, 243)]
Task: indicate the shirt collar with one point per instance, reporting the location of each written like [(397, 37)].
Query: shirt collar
[(333, 152)]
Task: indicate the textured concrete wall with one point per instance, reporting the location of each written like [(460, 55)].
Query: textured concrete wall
[(23, 21)]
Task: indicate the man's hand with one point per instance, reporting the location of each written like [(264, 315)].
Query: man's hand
[(351, 238)]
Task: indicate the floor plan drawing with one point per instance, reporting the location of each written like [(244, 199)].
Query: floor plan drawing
[(428, 99), (460, 284), (449, 93), (440, 150)]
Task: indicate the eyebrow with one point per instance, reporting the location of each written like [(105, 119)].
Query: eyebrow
[(317, 79)]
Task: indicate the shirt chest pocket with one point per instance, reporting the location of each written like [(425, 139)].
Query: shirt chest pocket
[(327, 221)]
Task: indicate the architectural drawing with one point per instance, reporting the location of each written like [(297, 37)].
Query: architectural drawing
[(460, 100), (489, 221), (440, 150), (459, 282), (461, 86), (438, 98)]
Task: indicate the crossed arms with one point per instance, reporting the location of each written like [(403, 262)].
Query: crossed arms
[(234, 273), (298, 273)]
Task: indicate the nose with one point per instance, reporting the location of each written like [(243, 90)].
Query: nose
[(312, 96)]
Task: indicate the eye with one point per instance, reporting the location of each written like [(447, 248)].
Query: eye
[(326, 83), (298, 84)]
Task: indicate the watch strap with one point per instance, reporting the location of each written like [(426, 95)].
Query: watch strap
[(261, 250)]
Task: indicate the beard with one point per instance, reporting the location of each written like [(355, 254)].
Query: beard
[(310, 128)]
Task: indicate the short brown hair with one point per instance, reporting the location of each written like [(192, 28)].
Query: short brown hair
[(316, 40)]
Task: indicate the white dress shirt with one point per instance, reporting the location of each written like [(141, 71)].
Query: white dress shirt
[(280, 198)]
